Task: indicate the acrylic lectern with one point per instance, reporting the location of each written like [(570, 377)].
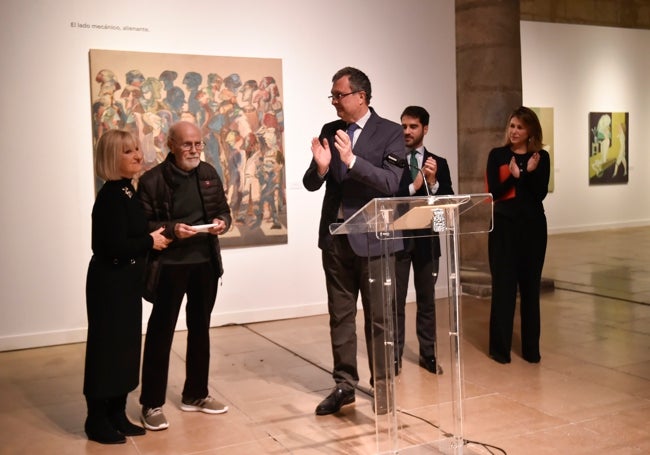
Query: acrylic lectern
[(419, 413)]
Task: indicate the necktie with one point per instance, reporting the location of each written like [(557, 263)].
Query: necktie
[(414, 164), (352, 127)]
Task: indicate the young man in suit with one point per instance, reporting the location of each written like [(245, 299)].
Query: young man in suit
[(349, 159), (422, 253)]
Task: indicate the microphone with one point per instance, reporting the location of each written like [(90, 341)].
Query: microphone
[(395, 160)]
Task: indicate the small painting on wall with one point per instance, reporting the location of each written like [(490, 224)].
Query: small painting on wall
[(608, 147), (237, 103), (545, 116)]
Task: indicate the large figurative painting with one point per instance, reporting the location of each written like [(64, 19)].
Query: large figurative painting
[(237, 103), (608, 147)]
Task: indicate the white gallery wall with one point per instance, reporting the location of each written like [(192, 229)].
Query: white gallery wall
[(577, 69), (407, 48)]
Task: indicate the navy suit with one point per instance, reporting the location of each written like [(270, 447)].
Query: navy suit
[(349, 260), (371, 177), (422, 253)]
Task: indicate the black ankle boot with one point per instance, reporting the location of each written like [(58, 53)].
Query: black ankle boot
[(118, 419), (97, 426), (122, 424), (99, 429)]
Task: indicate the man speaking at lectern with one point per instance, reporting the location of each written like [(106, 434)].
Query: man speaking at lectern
[(349, 158)]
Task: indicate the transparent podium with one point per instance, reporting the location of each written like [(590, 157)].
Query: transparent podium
[(418, 412)]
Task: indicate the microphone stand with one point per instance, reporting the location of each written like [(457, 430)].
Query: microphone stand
[(424, 180)]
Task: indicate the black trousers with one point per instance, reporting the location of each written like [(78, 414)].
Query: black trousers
[(425, 275), (199, 283), (347, 274), (516, 251)]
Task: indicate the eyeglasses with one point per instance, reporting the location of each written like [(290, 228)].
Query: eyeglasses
[(340, 96), (187, 146)]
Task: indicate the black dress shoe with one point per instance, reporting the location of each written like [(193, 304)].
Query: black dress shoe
[(122, 424), (99, 429), (380, 398), (500, 359), (335, 401), (428, 362), (533, 358)]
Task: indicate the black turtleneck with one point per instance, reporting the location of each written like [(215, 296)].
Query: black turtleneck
[(187, 208)]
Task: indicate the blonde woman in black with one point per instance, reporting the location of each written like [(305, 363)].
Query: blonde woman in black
[(120, 243), (517, 176)]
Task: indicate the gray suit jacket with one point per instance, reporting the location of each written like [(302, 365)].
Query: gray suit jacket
[(370, 177)]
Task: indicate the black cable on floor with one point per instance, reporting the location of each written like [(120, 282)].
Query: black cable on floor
[(369, 392), (485, 445), (566, 286)]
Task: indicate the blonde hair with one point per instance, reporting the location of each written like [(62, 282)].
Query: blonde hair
[(528, 117), (109, 147)]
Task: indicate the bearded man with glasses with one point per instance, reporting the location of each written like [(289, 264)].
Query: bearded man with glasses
[(185, 196)]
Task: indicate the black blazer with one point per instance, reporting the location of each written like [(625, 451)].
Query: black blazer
[(370, 177), (421, 245)]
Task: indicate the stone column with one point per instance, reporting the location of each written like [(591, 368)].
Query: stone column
[(488, 78)]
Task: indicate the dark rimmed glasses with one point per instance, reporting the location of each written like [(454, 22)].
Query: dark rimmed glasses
[(187, 146), (340, 96)]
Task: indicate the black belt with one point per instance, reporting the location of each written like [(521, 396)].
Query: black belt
[(115, 261)]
